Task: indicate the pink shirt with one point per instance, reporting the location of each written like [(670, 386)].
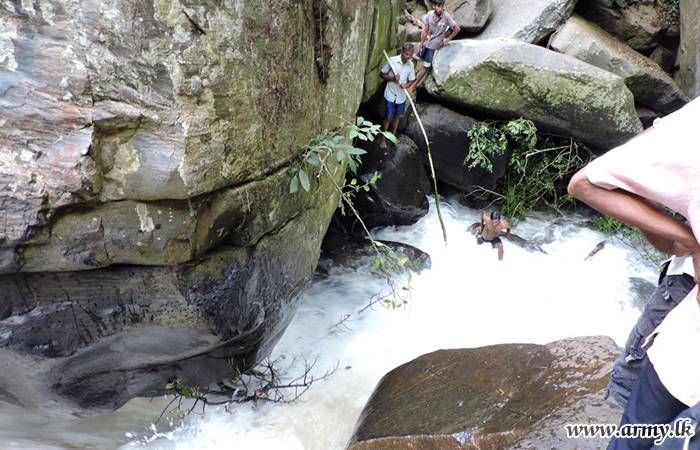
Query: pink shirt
[(663, 165)]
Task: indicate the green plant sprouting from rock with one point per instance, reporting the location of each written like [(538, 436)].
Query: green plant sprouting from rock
[(318, 158), (539, 168)]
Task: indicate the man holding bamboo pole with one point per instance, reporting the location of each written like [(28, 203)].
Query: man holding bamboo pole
[(400, 75)]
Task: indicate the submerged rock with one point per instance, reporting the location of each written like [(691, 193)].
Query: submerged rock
[(342, 252), (498, 397)]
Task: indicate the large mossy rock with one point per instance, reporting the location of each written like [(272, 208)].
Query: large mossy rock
[(650, 85), (512, 79), (147, 229), (503, 396)]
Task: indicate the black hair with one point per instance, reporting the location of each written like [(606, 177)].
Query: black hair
[(495, 215), (438, 2)]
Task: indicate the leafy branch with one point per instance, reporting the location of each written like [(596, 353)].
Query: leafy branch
[(319, 159), (539, 167), (266, 383)]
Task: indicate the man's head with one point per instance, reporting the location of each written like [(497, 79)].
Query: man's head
[(406, 52), (495, 216), (438, 6)]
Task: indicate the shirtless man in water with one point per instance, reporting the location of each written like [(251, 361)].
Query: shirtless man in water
[(489, 230)]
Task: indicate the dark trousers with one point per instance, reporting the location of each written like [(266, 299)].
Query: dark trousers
[(650, 403)]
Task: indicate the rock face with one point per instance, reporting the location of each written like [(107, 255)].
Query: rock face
[(650, 85), (147, 232), (498, 397), (383, 37), (688, 76), (559, 93)]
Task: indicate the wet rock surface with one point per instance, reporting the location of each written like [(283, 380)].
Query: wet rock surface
[(497, 397)]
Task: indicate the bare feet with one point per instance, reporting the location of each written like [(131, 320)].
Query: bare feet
[(382, 144)]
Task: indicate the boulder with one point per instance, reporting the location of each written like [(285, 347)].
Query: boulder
[(447, 133), (650, 85), (399, 196), (503, 396), (470, 16), (664, 57), (560, 94), (148, 232), (688, 56), (413, 28), (529, 22), (641, 24)]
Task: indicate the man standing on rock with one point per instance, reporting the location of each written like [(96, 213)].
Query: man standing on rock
[(489, 230), (437, 22), (394, 93)]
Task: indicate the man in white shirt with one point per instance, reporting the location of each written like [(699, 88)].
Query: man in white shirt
[(395, 91)]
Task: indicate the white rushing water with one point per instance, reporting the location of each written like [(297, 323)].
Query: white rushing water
[(467, 299)]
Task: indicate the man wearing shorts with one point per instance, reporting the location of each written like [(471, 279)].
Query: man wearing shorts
[(437, 22), (489, 230), (394, 93)]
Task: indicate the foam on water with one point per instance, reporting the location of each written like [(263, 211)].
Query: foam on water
[(467, 299)]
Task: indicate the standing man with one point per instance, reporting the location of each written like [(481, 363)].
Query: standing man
[(437, 22), (394, 93), (633, 183), (489, 230)]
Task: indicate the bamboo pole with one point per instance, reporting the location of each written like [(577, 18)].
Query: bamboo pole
[(430, 155)]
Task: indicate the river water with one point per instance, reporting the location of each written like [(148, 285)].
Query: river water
[(467, 299)]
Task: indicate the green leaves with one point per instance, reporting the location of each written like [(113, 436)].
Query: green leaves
[(331, 145), (539, 166), (176, 384)]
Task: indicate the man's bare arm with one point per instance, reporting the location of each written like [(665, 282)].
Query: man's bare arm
[(666, 231)]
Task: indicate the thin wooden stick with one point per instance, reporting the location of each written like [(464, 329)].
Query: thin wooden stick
[(430, 155)]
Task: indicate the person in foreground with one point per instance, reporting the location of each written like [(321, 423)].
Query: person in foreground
[(633, 183), (437, 22), (395, 91), (489, 229)]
